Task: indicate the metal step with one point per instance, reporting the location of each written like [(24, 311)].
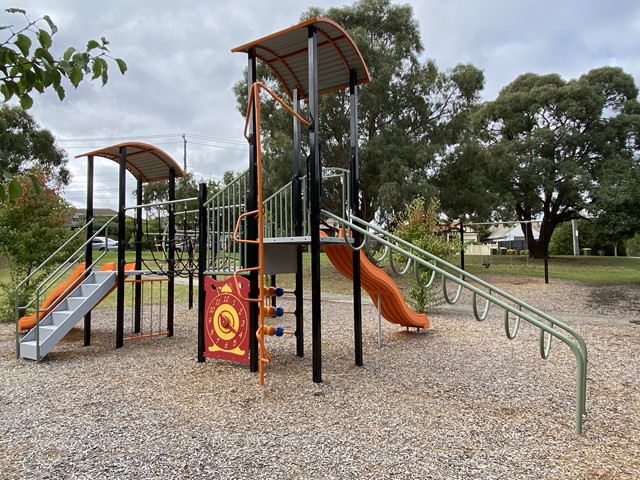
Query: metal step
[(57, 323), (74, 302)]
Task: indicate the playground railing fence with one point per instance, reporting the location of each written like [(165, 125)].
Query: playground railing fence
[(548, 326)]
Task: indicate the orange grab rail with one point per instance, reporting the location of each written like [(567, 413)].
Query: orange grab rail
[(254, 103)]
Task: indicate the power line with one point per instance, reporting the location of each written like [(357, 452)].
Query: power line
[(217, 139), (106, 139), (164, 135), (218, 146), (89, 147)]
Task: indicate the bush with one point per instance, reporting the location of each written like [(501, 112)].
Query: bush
[(31, 229), (420, 226)]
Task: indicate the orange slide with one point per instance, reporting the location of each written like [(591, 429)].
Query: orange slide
[(376, 283)]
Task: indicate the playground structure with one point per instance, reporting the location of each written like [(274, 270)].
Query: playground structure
[(244, 240), (87, 285)]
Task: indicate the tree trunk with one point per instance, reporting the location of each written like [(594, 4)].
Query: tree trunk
[(538, 248)]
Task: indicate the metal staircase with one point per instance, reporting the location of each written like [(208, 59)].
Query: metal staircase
[(41, 339)]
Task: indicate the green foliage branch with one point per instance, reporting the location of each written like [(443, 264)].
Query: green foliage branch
[(27, 64)]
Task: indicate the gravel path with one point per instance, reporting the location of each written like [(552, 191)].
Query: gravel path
[(458, 401)]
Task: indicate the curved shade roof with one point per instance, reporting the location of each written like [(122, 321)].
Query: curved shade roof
[(285, 53), (145, 162)]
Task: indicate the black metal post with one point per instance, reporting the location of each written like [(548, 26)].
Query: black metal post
[(546, 265), (251, 232), (88, 253), (355, 209), (188, 244), (138, 245), (315, 179), (461, 245), (202, 265), (296, 190), (172, 251), (122, 186)]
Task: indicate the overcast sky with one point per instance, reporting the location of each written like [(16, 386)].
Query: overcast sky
[(181, 69)]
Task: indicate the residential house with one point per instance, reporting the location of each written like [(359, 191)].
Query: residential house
[(510, 236)]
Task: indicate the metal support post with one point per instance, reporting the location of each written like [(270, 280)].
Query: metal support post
[(202, 265), (138, 243), (251, 232), (315, 179), (354, 188), (461, 244), (172, 251), (296, 187), (88, 253), (122, 186)]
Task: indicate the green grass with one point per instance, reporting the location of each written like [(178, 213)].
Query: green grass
[(181, 291), (587, 269)]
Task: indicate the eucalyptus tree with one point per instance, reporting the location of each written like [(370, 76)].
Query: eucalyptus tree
[(25, 145), (552, 146), (407, 112)]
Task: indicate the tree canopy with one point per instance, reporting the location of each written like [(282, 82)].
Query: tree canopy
[(408, 113), (33, 227), (27, 64), (547, 148), (25, 145)]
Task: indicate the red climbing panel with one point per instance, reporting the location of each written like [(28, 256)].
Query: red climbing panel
[(227, 319)]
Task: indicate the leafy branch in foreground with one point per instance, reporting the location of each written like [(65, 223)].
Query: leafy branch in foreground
[(11, 187), (26, 62)]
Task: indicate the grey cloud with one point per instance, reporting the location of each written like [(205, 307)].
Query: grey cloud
[(181, 69)]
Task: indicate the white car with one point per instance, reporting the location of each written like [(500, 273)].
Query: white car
[(104, 243)]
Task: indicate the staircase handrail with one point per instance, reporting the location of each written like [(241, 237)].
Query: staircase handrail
[(54, 276), (523, 311)]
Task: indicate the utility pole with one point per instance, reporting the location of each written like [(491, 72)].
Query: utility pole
[(184, 158), (574, 231)]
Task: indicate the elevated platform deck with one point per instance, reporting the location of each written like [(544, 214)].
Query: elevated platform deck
[(302, 240)]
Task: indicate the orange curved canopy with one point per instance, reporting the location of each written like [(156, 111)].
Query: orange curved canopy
[(145, 162), (285, 53)]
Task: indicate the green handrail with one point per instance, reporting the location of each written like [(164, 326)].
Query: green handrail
[(522, 311)]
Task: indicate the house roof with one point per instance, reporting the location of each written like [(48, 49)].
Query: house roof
[(510, 231), (97, 212), (285, 54), (145, 162)]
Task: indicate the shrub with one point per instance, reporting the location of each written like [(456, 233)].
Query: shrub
[(419, 225)]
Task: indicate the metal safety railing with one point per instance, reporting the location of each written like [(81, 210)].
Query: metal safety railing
[(278, 208), (224, 256), (279, 215), (418, 259)]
